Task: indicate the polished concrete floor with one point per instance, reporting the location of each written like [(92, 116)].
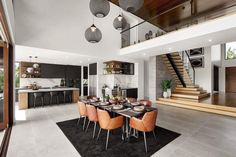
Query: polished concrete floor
[(203, 135)]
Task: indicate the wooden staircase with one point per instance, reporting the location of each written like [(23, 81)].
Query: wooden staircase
[(191, 91)]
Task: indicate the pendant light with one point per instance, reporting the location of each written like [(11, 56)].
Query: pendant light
[(119, 23), (30, 70), (131, 5), (99, 8), (93, 34)]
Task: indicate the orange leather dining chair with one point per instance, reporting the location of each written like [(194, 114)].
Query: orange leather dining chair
[(146, 124), (82, 112), (146, 102), (132, 100), (108, 123), (92, 116)]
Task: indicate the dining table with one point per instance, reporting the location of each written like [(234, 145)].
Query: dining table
[(127, 111)]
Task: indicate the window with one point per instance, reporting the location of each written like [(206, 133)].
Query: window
[(230, 51)]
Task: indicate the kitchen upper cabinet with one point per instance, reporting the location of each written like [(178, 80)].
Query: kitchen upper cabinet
[(52, 71), (93, 69), (73, 72)]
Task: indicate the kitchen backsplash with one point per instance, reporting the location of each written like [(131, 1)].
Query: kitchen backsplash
[(40, 82)]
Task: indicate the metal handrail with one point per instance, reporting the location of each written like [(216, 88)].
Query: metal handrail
[(186, 52)]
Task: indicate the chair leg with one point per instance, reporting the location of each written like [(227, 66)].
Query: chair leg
[(108, 132), (84, 123), (99, 133), (154, 134), (87, 126), (129, 133), (78, 122), (94, 129), (123, 132), (145, 141)]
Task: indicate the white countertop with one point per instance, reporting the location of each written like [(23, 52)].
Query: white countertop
[(46, 90)]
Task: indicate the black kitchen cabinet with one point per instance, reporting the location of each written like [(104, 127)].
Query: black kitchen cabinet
[(52, 71), (85, 73), (93, 69), (73, 72)]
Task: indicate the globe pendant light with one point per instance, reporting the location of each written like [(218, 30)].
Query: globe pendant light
[(119, 23), (131, 5), (93, 34), (99, 8)]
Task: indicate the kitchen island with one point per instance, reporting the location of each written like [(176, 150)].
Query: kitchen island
[(26, 95)]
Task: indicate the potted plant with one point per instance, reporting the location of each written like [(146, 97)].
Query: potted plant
[(169, 85), (166, 87)]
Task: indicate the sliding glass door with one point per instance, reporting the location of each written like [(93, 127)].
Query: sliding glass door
[(4, 80)]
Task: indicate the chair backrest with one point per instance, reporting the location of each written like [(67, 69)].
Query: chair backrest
[(103, 118), (146, 102), (92, 97), (131, 100), (149, 120), (82, 108), (92, 113)]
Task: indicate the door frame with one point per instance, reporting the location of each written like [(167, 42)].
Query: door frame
[(5, 122)]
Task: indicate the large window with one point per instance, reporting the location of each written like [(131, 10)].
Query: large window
[(230, 52)]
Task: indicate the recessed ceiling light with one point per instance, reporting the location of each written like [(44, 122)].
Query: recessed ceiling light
[(89, 59), (169, 48), (210, 40), (144, 54)]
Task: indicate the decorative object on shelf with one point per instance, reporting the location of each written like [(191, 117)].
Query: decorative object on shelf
[(99, 8), (30, 69), (93, 34), (197, 62), (131, 5), (196, 52), (150, 34), (36, 65), (147, 36), (166, 84), (119, 23)]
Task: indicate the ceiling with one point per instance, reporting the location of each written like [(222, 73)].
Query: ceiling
[(172, 13)]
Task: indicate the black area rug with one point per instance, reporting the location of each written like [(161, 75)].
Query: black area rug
[(88, 147)]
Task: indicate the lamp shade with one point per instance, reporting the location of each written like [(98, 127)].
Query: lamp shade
[(99, 8), (119, 23), (93, 34), (131, 5)]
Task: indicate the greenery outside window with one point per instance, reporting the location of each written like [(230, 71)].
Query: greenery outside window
[(230, 51)]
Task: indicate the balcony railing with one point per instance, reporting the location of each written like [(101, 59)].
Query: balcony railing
[(149, 29)]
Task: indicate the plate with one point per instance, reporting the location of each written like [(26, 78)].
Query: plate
[(118, 107), (139, 108), (104, 103), (135, 103)]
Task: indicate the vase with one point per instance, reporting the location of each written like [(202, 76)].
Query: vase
[(169, 93), (165, 94)]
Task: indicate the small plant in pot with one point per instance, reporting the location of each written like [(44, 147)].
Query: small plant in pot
[(166, 87)]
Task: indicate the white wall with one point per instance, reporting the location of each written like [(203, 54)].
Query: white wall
[(40, 82), (203, 76)]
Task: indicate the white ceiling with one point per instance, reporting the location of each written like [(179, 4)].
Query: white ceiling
[(57, 29)]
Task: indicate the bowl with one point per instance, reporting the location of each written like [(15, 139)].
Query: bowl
[(139, 108)]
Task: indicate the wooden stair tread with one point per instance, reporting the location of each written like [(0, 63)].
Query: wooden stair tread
[(198, 108)]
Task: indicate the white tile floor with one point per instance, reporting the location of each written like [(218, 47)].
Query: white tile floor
[(203, 135)]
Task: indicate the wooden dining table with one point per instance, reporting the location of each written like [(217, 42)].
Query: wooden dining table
[(127, 111)]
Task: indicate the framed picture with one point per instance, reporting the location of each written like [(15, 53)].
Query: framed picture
[(197, 62), (196, 52)]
